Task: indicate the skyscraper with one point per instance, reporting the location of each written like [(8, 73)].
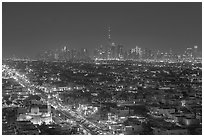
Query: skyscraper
[(120, 51), (109, 36), (111, 51)]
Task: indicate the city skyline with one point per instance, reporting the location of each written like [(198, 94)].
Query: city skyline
[(102, 68), (37, 27)]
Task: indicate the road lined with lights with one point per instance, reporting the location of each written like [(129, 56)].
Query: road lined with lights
[(89, 127), (32, 89)]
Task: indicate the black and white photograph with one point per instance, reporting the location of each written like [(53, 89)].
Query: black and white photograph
[(101, 68)]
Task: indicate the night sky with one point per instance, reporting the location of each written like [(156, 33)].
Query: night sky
[(30, 28)]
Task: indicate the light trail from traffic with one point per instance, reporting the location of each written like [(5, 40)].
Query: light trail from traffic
[(55, 102)]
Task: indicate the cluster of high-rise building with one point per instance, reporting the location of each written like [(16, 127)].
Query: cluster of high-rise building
[(113, 51), (65, 54)]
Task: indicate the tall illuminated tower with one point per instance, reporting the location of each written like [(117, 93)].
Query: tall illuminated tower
[(111, 46), (108, 48), (111, 43), (109, 35)]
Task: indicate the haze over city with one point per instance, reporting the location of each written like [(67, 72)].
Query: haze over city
[(102, 69), (37, 27)]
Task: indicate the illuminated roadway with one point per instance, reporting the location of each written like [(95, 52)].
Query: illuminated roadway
[(89, 127)]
